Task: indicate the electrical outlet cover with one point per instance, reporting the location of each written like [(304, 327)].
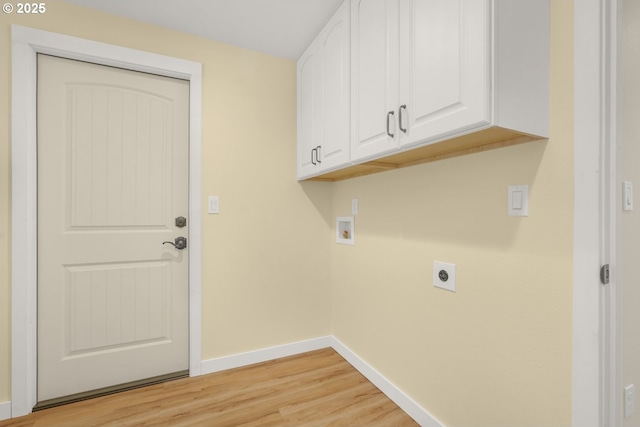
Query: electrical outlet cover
[(444, 275)]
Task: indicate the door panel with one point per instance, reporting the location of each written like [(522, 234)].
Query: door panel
[(334, 45), (375, 32), (323, 99), (439, 35), (309, 96), (444, 81), (116, 305), (117, 158), (112, 176)]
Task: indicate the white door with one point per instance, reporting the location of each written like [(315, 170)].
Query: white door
[(374, 87), (112, 178), (444, 77)]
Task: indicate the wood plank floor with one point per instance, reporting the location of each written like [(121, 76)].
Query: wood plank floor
[(318, 388)]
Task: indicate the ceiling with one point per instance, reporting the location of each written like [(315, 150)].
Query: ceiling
[(282, 28)]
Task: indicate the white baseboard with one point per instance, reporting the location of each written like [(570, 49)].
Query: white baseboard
[(266, 354), (415, 411), (408, 405), (5, 410)]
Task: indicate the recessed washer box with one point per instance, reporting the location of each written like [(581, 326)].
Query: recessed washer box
[(345, 230), (444, 275)]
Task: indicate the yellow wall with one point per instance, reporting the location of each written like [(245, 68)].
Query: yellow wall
[(630, 236), (271, 233), (498, 352)]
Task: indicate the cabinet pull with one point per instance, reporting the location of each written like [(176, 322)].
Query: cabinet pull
[(390, 113), (313, 151), (404, 106), (318, 153)]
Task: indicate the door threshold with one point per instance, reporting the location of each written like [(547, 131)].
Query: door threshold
[(78, 397)]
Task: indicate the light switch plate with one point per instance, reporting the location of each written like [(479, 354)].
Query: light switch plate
[(519, 200), (354, 206), (444, 275), (627, 196), (214, 205)]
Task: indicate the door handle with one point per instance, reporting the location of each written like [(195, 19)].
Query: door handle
[(402, 107), (180, 243), (389, 114), (318, 153), (312, 160)]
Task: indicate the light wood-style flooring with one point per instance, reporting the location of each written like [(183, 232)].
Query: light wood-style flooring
[(318, 388)]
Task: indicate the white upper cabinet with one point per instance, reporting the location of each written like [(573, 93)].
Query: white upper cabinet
[(323, 80), (424, 71), (444, 68), (374, 80), (309, 95), (393, 83)]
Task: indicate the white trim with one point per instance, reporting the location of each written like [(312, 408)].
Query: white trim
[(611, 303), (264, 355), (586, 254), (613, 370), (5, 410), (23, 231), (26, 43), (594, 390), (408, 405)]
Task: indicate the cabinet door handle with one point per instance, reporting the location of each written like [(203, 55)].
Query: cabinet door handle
[(318, 153), (312, 160), (402, 107), (389, 114)]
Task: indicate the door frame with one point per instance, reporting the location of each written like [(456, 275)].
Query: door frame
[(596, 307), (26, 44)]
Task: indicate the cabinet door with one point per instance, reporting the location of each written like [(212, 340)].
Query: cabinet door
[(374, 71), (445, 68), (333, 45), (309, 102)]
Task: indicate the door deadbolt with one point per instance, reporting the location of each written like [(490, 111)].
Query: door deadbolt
[(181, 222), (179, 243)]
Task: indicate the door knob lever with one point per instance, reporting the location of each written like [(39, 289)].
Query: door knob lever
[(180, 243)]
